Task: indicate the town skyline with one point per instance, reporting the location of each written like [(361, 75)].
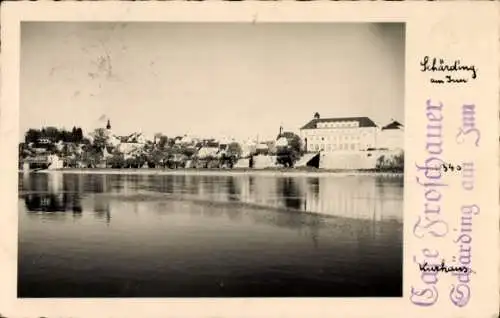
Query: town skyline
[(239, 81), (107, 125)]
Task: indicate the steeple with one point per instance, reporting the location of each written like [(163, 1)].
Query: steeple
[(108, 126)]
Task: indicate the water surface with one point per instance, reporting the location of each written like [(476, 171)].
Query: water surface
[(97, 235)]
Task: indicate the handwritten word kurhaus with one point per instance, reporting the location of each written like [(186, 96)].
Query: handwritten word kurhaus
[(426, 267)]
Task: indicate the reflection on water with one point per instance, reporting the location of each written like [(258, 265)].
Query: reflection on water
[(219, 236), (363, 197)]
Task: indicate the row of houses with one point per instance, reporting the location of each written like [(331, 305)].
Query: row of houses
[(319, 134), (333, 138)]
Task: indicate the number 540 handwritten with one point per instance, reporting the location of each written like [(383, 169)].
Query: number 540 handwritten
[(449, 166)]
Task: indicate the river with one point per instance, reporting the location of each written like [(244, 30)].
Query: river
[(97, 235)]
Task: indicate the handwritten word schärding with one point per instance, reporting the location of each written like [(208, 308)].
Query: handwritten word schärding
[(440, 65)]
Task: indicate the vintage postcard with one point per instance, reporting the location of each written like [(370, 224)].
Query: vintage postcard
[(249, 159)]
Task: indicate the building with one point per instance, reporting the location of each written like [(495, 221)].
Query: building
[(339, 134), (285, 138), (391, 136)]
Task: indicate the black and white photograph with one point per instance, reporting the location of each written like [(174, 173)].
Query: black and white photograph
[(211, 159)]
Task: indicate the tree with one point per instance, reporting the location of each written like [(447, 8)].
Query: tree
[(289, 154), (116, 161), (234, 150), (22, 151), (381, 162), (400, 160), (390, 162), (188, 151), (91, 156), (53, 134), (100, 138), (295, 143), (162, 142), (32, 135), (156, 158), (78, 135)]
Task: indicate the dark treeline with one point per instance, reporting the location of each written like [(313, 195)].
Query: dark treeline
[(54, 134)]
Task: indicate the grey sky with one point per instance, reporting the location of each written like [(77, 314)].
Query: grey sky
[(208, 79)]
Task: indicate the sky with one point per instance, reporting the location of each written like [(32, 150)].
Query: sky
[(208, 79)]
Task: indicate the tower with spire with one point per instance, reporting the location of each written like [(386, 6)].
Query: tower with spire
[(280, 133)]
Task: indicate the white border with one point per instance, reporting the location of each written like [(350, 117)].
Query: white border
[(467, 30)]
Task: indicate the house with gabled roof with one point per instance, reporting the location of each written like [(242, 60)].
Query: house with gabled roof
[(391, 136)]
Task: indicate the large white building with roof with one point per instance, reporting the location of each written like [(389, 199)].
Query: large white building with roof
[(350, 134), (339, 134)]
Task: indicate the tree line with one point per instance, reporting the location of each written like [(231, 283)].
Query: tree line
[(54, 134)]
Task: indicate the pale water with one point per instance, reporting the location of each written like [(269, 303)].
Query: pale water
[(97, 235)]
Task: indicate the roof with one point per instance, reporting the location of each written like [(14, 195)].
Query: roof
[(362, 121), (207, 151), (286, 134), (393, 125)]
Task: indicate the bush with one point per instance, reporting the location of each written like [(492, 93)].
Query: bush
[(287, 156), (135, 162), (117, 161), (393, 163)]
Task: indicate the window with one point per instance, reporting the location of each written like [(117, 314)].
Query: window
[(352, 146), (328, 147), (316, 147)]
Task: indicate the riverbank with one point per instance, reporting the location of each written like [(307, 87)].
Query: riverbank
[(225, 172)]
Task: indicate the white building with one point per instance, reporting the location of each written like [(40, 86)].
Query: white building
[(339, 134), (391, 136)]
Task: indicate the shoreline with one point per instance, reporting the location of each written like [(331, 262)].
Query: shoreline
[(220, 172)]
